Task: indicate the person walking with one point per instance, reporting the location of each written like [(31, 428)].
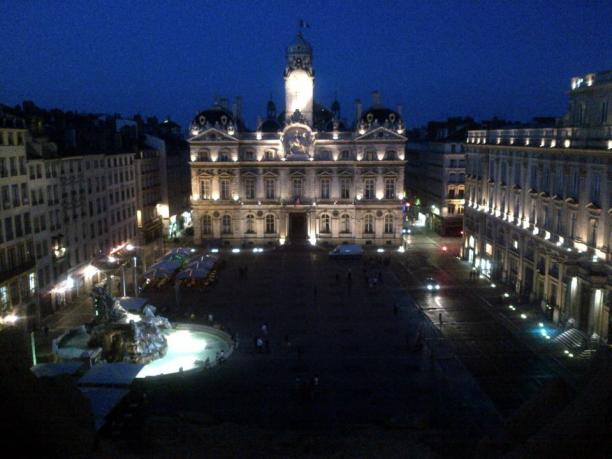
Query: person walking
[(259, 345), (440, 318), (264, 329)]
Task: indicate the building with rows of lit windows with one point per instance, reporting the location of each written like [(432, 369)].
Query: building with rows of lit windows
[(302, 174), (539, 206)]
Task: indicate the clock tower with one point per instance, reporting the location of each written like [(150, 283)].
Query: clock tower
[(299, 80)]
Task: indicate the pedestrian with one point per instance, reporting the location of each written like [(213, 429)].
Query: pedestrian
[(440, 318), (259, 345), (264, 329), (210, 318)]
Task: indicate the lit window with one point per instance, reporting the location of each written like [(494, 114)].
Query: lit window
[(345, 224), (250, 224), (270, 224), (325, 188), (325, 224), (389, 188), (388, 223), (226, 224), (205, 189), (369, 189), (368, 224), (206, 225)]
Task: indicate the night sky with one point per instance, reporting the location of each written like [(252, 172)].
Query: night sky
[(511, 59)]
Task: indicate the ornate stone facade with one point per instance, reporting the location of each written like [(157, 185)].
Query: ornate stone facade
[(300, 175), (539, 205)]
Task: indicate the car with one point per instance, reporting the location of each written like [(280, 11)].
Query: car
[(432, 284), (346, 250)]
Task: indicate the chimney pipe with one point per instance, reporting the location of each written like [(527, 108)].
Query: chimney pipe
[(357, 110), (375, 98)]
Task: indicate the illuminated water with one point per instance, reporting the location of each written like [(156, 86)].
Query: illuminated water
[(188, 348)]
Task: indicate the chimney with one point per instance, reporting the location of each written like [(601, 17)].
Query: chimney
[(399, 109), (375, 98), (357, 110)]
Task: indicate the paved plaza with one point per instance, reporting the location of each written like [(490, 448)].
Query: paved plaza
[(445, 368), (323, 320)]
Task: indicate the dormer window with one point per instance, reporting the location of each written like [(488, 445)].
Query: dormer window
[(249, 155), (224, 156), (390, 155), (204, 155), (370, 156), (345, 155), (269, 155)]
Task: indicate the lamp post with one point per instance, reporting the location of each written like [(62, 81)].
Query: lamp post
[(135, 260)]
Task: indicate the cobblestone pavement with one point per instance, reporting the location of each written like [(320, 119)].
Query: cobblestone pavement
[(351, 336)]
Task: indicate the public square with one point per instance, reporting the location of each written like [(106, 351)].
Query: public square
[(383, 360)]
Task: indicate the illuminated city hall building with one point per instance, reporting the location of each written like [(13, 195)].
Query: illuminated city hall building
[(301, 175)]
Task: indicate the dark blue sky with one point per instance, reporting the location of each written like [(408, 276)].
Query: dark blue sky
[(512, 59)]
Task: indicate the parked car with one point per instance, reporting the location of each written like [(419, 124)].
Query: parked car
[(346, 250)]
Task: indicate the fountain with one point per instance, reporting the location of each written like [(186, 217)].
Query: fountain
[(117, 335)]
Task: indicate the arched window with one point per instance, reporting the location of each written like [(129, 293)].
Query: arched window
[(269, 155), (226, 224), (345, 224), (390, 155), (370, 155), (206, 224), (270, 224), (249, 155), (325, 226), (324, 155), (388, 223), (250, 224), (368, 224)]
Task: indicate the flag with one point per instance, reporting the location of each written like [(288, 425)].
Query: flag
[(304, 24)]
